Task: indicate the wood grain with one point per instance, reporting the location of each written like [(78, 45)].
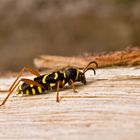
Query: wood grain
[(107, 108)]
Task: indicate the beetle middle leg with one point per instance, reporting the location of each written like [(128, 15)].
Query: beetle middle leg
[(58, 87)]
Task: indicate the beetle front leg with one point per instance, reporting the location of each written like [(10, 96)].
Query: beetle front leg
[(72, 85), (57, 91)]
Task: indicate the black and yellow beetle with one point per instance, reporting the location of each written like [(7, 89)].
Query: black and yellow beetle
[(54, 80)]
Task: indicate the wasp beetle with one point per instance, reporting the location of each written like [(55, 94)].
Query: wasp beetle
[(54, 80)]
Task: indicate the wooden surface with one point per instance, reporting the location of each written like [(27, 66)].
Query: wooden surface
[(108, 108)]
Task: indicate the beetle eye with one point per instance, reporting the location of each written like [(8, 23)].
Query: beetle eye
[(82, 77), (83, 80)]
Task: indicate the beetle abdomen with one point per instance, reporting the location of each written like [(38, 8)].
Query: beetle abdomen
[(29, 89)]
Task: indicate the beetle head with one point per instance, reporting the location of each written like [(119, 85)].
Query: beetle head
[(82, 78)]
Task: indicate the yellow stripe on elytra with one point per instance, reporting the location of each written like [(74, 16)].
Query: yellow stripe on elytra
[(52, 84), (44, 79), (20, 87), (39, 89), (17, 92), (33, 91), (63, 82), (31, 85), (64, 74), (21, 92), (77, 74), (56, 76), (27, 92)]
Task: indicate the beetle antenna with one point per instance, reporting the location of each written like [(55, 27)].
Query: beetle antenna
[(86, 68), (90, 69)]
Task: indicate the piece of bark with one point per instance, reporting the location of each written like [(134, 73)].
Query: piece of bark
[(117, 58)]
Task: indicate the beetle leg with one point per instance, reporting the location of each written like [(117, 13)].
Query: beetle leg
[(72, 85), (12, 88), (34, 72), (57, 88)]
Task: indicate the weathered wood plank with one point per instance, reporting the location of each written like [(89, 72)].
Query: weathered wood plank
[(108, 107)]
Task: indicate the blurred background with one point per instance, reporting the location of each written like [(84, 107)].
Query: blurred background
[(29, 28)]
